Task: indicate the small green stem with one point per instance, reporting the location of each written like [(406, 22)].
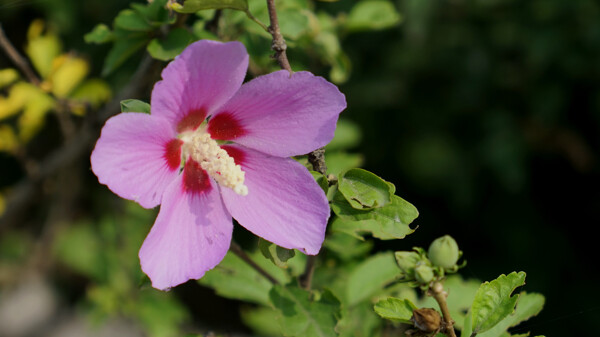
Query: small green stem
[(237, 250)]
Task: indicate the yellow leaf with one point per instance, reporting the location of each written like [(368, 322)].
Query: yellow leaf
[(16, 99), (68, 72), (2, 204), (42, 49), (8, 142), (7, 77), (93, 92), (32, 118)]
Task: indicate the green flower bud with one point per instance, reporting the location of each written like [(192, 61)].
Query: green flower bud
[(443, 252), (423, 274), (407, 261)]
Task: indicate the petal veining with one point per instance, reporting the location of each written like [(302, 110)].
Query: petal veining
[(191, 235), (281, 116), (284, 204), (135, 157)]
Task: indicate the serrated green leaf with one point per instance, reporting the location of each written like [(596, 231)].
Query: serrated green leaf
[(278, 255), (234, 278), (175, 42), (100, 34), (192, 6), (370, 276), (529, 305), (134, 105), (389, 222), (363, 189), (395, 309), (372, 15), (303, 313), (493, 301), (129, 19)]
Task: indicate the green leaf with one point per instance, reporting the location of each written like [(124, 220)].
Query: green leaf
[(528, 306), (389, 222), (122, 50), (369, 277), (93, 91), (100, 34), (234, 278), (134, 105), (359, 321), (395, 309), (364, 190), (303, 313), (155, 12), (129, 19), (159, 313), (192, 6), (372, 15), (321, 180), (293, 23), (175, 42), (277, 255), (79, 247), (493, 301)]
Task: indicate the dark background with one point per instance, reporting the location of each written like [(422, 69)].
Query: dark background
[(484, 114)]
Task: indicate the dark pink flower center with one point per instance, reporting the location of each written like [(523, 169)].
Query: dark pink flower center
[(225, 127), (173, 153), (195, 178), (235, 153), (192, 120)]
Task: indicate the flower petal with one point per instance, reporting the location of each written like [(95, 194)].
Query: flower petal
[(202, 78), (191, 235), (137, 156), (284, 204), (279, 115)]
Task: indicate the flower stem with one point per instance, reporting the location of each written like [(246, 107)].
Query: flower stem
[(237, 250), (278, 44), (19, 60), (438, 293)]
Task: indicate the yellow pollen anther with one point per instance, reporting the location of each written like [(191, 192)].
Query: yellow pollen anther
[(218, 164)]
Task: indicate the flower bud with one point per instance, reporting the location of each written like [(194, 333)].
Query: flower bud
[(427, 320), (423, 274), (407, 261), (443, 252)]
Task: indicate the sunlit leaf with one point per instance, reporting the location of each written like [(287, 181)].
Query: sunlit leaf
[(389, 222), (42, 49), (528, 306), (303, 313), (8, 143), (67, 73), (493, 301), (8, 76), (134, 105), (395, 309), (364, 190), (93, 91)]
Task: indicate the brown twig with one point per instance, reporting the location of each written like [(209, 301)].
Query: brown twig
[(17, 59), (438, 293), (237, 250), (278, 44), (306, 278)]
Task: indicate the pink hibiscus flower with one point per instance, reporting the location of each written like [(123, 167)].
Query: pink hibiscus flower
[(213, 148)]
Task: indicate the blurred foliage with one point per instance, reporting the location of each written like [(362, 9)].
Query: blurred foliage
[(484, 114)]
